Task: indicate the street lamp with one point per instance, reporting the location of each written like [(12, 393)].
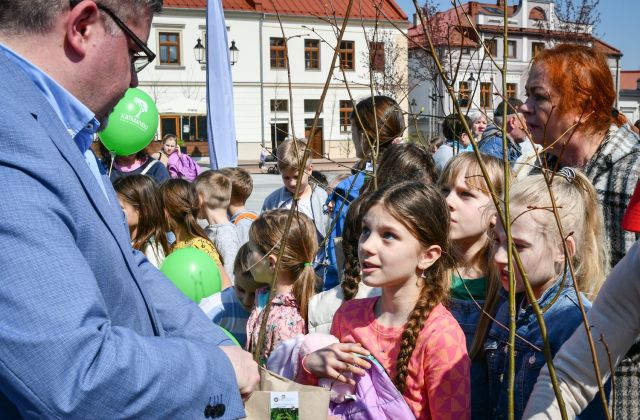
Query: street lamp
[(234, 52), (199, 52), (472, 82)]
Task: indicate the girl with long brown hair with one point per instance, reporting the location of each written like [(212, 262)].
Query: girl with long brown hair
[(474, 283), (295, 278), (404, 249), (181, 208), (139, 199)]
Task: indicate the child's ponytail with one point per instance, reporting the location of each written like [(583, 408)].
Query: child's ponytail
[(181, 202), (267, 233), (592, 261)]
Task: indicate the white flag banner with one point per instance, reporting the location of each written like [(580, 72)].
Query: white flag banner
[(221, 129)]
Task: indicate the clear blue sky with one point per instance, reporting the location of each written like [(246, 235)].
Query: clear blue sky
[(619, 22)]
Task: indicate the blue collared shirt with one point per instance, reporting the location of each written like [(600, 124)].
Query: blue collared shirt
[(80, 122)]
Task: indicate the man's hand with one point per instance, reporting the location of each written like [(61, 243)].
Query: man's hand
[(245, 368)]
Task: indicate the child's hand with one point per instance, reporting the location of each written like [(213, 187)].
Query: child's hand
[(333, 360)]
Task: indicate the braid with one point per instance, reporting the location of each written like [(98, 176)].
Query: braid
[(433, 292), (350, 277), (350, 238)]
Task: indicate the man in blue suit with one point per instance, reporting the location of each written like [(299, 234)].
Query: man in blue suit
[(88, 327)]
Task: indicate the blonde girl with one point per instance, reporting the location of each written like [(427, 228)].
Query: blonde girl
[(181, 207), (474, 283), (295, 279), (139, 198), (404, 249), (538, 241)]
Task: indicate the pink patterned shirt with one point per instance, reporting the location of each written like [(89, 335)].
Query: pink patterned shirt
[(284, 322), (438, 382)]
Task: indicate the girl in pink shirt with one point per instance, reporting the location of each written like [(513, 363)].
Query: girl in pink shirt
[(404, 249)]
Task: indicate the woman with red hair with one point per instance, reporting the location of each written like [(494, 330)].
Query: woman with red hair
[(569, 111)]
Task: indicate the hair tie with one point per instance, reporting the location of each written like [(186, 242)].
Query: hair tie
[(308, 264), (568, 173), (615, 113)]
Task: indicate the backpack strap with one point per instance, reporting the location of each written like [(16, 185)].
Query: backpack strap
[(145, 170), (243, 216)]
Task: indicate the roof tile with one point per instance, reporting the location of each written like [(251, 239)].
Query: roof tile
[(362, 8)]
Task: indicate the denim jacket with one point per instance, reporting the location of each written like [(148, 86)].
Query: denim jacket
[(491, 144), (561, 319), (467, 313)]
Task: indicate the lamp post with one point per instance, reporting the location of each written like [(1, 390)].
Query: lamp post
[(234, 53), (434, 103), (200, 53)]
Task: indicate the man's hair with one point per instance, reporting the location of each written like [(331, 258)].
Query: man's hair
[(453, 128), (38, 16), (290, 154), (215, 189), (241, 184)]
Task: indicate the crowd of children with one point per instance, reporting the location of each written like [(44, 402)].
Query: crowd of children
[(403, 265)]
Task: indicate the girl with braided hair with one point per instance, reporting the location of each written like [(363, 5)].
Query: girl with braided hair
[(405, 250)]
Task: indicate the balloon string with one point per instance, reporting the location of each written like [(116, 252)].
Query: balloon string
[(113, 158)]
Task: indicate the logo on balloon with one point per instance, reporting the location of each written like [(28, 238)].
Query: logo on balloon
[(132, 124)]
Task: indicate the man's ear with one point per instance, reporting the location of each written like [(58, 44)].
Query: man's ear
[(81, 24), (429, 256)]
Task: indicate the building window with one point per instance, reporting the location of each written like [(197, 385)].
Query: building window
[(278, 52), (492, 47), (346, 108), (312, 54), (169, 47), (512, 49), (311, 105), (376, 56), (485, 95), (536, 47), (512, 90), (465, 51), (278, 105), (185, 127), (464, 94), (347, 55)]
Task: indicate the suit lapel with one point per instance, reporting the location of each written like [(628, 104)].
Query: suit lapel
[(107, 209)]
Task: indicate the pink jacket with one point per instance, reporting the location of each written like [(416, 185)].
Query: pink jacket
[(183, 166)]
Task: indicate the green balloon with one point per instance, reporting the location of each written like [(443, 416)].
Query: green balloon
[(131, 125), (194, 272), (231, 337)]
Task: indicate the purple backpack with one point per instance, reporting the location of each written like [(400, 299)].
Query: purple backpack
[(376, 398), (182, 166)]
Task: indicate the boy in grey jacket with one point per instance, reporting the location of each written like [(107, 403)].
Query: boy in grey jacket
[(214, 193)]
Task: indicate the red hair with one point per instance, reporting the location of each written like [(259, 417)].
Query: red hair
[(582, 77)]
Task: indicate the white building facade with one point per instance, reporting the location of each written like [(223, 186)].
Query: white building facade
[(266, 110)]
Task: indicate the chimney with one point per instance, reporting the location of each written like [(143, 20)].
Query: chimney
[(415, 19), (500, 3)]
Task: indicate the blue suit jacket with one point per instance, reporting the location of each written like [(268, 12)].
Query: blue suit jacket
[(88, 327)]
